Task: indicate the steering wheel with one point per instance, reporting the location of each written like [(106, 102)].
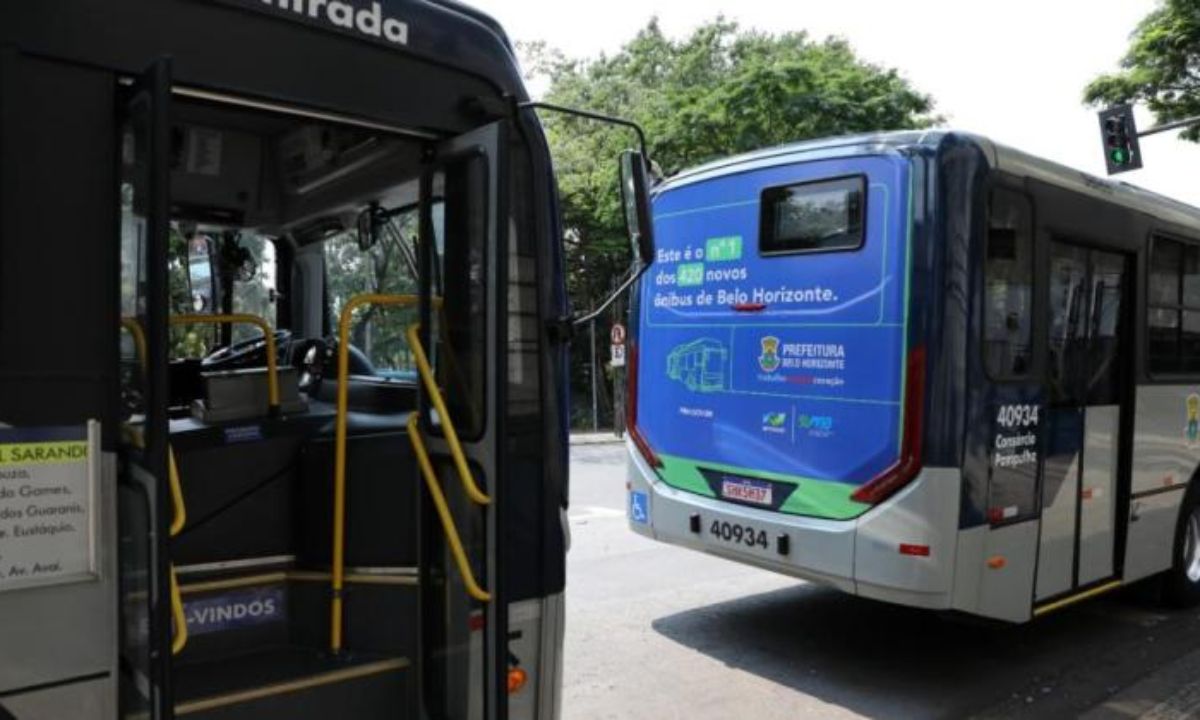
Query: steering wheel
[(317, 359), (246, 353)]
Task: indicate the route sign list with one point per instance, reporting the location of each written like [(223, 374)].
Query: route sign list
[(47, 482)]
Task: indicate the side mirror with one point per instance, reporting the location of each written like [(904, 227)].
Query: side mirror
[(368, 228), (201, 278), (635, 198)]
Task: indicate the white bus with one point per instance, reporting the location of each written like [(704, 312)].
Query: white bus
[(940, 372)]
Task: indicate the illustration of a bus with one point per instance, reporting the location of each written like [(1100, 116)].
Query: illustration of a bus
[(700, 365)]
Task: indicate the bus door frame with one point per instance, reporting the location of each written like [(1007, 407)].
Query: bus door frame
[(145, 469), (1045, 593), (485, 454)]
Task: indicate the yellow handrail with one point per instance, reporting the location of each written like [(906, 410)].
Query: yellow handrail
[(139, 339), (178, 615), (179, 518), (338, 576), (439, 501), (179, 515), (456, 451), (244, 319)]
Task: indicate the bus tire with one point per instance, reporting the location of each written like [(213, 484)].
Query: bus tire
[(1181, 585)]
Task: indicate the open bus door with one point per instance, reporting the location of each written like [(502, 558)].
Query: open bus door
[(464, 313), (1085, 471), (144, 504)]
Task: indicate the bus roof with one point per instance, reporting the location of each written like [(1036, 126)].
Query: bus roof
[(410, 62), (1000, 157)]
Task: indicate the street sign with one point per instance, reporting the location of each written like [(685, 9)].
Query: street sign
[(618, 356), (617, 334)]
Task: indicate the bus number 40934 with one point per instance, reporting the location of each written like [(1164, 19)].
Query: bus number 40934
[(742, 534)]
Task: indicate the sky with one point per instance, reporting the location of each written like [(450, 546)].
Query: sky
[(1013, 70)]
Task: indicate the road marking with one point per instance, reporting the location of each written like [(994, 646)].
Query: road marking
[(1185, 703), (594, 512)]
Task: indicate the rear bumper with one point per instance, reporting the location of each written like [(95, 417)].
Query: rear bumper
[(859, 556)]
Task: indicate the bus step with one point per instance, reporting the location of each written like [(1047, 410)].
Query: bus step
[(298, 683)]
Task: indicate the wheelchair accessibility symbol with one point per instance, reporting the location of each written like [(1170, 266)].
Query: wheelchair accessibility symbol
[(639, 507)]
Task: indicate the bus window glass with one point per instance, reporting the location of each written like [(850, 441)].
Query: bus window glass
[(1163, 330), (1173, 320), (386, 268), (1008, 287), (192, 290), (1165, 262), (1067, 346), (1191, 276), (813, 217), (1189, 342), (255, 285), (460, 329), (1103, 378)]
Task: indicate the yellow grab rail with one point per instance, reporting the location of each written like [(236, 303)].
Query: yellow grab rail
[(456, 451), (178, 520), (179, 514), (178, 615), (179, 517), (338, 575), (443, 510), (244, 319), (139, 339)]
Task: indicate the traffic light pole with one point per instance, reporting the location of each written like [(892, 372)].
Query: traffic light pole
[(1170, 126), (1119, 133)]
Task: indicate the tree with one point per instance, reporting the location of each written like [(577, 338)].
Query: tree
[(720, 91), (1161, 67), (350, 271)]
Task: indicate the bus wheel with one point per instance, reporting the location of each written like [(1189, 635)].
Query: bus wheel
[(1182, 586)]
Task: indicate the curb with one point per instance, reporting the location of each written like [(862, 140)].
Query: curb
[(1171, 692), (601, 438)]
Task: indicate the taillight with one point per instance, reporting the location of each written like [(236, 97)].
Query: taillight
[(631, 403), (906, 468)]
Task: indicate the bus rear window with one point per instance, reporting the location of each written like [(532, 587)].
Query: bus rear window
[(813, 217)]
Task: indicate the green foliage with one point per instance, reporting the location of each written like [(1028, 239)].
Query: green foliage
[(193, 341), (1161, 67), (377, 331), (720, 91)]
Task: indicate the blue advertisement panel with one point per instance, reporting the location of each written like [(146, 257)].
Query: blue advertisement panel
[(762, 360)]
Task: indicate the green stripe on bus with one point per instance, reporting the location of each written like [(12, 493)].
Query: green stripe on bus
[(811, 498)]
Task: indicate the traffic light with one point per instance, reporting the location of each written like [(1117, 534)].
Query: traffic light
[(1119, 132)]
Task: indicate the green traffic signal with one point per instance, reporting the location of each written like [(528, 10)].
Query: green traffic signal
[(1119, 133)]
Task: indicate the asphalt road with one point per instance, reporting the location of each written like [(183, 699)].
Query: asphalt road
[(659, 632)]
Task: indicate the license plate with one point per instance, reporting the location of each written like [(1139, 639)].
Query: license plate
[(747, 491), (738, 533)]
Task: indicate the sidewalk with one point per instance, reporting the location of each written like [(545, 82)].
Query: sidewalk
[(1171, 692), (603, 437)]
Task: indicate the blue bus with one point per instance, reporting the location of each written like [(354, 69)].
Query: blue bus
[(951, 375)]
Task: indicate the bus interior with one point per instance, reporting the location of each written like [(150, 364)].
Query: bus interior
[(282, 508)]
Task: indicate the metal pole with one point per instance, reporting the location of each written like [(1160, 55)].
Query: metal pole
[(1170, 126), (595, 385)]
